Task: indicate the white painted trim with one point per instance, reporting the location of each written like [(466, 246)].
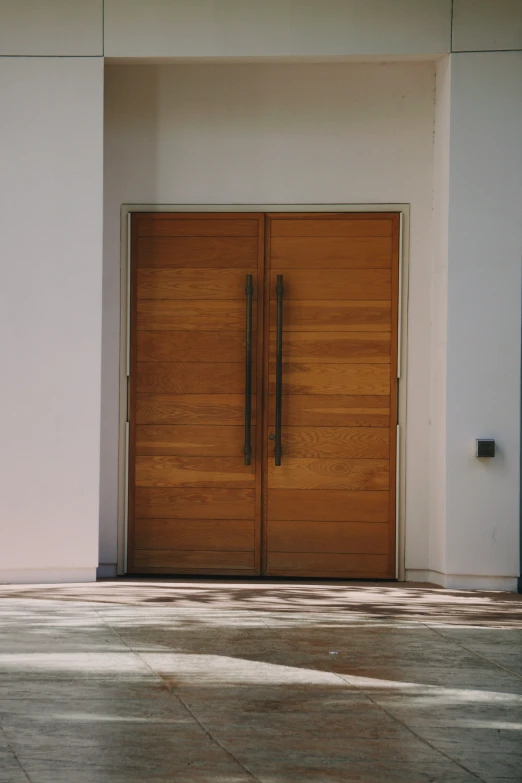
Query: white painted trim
[(128, 209), (45, 576), (464, 581)]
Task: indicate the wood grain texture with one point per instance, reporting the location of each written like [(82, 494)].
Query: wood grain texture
[(326, 564), (332, 410), (176, 560), (190, 377), (194, 284), (191, 441), (333, 315), (193, 314), (194, 252), (200, 409), (364, 379), (185, 503), (186, 346), (234, 535), (332, 537), (336, 505), (339, 347), (336, 442), (194, 472), (201, 226), (333, 226), (314, 473), (314, 284), (332, 252)]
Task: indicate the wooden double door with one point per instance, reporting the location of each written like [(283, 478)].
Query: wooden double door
[(211, 296)]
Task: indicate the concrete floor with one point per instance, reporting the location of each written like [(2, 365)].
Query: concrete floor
[(230, 682)]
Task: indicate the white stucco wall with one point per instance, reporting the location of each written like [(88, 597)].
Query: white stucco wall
[(51, 169), (484, 318), (275, 28), (274, 134), (51, 27), (486, 25)]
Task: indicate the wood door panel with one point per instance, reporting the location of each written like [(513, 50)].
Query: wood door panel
[(331, 226), (332, 252), (336, 505), (327, 564), (190, 377), (177, 560), (191, 441), (202, 503), (200, 409), (332, 410), (233, 535), (188, 346), (309, 379), (193, 284), (177, 226), (194, 472), (330, 537), (194, 252), (333, 316), (314, 284), (342, 347), (193, 315), (336, 442), (309, 473)]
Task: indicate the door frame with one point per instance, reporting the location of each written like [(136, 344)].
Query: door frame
[(125, 277)]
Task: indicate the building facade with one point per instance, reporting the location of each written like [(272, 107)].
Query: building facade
[(407, 109)]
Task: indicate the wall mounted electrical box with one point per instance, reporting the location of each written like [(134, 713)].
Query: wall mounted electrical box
[(485, 448)]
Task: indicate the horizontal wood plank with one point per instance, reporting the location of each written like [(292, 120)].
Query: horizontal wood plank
[(194, 284), (185, 346), (340, 347), (181, 226), (332, 537), (234, 535), (336, 442), (373, 379), (192, 315), (185, 503), (336, 505), (318, 284), (332, 316), (178, 560), (311, 473), (200, 409), (332, 410), (193, 472), (322, 564), (191, 441), (191, 377), (331, 252), (194, 252), (331, 226)]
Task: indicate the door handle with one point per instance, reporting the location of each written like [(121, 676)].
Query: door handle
[(249, 290), (279, 370)]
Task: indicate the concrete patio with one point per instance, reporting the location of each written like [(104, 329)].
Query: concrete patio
[(228, 682)]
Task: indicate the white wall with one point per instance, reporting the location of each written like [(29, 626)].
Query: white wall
[(51, 27), (274, 134), (51, 126), (487, 25), (484, 315), (274, 28), (439, 291)]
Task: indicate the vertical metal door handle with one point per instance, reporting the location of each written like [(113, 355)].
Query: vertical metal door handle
[(249, 290), (279, 369)]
